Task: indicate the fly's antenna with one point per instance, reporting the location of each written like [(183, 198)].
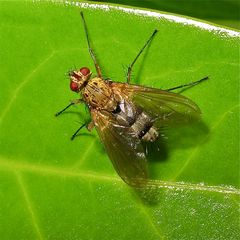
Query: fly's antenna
[(99, 73)]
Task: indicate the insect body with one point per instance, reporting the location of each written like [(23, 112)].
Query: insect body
[(127, 115)]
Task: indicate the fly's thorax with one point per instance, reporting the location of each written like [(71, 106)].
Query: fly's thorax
[(98, 94)]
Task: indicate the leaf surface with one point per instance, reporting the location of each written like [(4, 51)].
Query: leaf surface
[(54, 188)]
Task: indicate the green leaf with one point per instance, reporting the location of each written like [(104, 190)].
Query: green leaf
[(54, 188)]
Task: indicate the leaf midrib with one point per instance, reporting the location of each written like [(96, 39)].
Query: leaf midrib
[(48, 170)]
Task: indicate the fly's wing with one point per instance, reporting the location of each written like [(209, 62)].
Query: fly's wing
[(168, 109), (123, 148)]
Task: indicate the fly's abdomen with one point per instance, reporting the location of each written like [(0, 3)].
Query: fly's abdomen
[(144, 129), (139, 123)]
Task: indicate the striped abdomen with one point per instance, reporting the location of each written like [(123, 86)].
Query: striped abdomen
[(139, 122)]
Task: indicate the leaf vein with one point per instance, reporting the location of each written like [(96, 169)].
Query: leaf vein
[(22, 84), (196, 149), (151, 222), (79, 163), (29, 206), (45, 170)]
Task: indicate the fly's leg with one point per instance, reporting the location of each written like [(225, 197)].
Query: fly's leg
[(99, 73), (135, 59), (75, 134), (69, 105), (89, 127), (188, 84)]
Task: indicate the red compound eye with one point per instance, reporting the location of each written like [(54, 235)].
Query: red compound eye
[(85, 71), (74, 86)]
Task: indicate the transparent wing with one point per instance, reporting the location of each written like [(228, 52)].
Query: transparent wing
[(168, 109), (123, 148)]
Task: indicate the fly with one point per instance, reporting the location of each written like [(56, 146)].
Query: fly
[(127, 115)]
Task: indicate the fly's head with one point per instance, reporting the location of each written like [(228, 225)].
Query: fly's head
[(79, 78)]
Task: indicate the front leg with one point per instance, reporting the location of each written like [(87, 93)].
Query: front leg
[(73, 102)]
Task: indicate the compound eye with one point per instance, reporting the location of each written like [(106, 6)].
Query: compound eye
[(85, 71), (74, 86)]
